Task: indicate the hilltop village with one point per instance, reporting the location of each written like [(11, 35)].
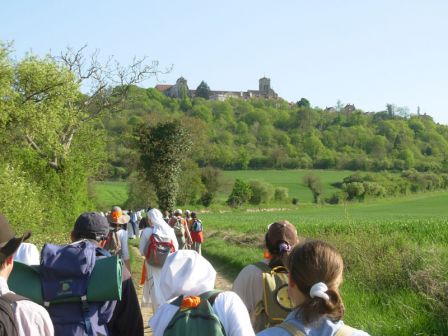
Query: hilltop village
[(265, 91), (177, 90)]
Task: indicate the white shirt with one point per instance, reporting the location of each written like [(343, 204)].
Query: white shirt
[(249, 286), (32, 319), (228, 307), (123, 237)]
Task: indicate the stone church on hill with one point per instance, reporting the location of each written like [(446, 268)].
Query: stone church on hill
[(180, 89)]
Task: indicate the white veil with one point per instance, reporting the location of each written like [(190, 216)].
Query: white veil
[(161, 228), (185, 272)]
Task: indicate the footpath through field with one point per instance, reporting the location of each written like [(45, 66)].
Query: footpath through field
[(222, 283)]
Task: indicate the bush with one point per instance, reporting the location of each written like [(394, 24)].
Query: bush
[(281, 194), (337, 198), (355, 190), (295, 201), (262, 192), (314, 183), (206, 198), (241, 193), (20, 201)]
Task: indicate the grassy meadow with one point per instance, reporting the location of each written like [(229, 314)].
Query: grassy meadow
[(395, 255), (291, 179), (110, 193), (395, 250)]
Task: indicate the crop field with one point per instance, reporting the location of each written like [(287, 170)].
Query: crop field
[(110, 193), (291, 179), (395, 253)]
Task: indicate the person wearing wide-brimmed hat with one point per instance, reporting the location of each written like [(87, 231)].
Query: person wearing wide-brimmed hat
[(118, 221), (31, 318)]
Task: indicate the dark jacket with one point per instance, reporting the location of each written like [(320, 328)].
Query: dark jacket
[(127, 317)]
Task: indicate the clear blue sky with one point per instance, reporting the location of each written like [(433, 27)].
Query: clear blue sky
[(364, 52)]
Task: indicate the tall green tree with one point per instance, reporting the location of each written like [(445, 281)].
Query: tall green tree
[(48, 126), (314, 183), (162, 150), (203, 90)]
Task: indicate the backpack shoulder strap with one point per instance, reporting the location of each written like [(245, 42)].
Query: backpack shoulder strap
[(263, 267), (177, 302), (210, 296), (13, 297), (290, 328), (8, 321), (345, 330)]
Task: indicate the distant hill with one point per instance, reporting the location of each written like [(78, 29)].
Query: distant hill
[(275, 134)]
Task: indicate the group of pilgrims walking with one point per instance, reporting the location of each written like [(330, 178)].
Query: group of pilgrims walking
[(292, 290)]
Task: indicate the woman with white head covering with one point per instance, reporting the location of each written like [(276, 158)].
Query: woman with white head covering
[(158, 226), (27, 253), (187, 273)]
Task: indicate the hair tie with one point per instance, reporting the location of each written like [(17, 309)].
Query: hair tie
[(318, 290), (284, 247)]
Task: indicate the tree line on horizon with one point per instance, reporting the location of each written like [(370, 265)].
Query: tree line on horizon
[(274, 134)]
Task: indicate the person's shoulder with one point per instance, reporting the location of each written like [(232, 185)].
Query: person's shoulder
[(249, 270), (29, 310), (274, 331)]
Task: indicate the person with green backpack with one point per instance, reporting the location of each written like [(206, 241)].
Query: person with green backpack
[(315, 276), (263, 286), (192, 307)]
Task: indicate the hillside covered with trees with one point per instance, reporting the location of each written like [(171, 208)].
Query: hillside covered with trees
[(262, 133)]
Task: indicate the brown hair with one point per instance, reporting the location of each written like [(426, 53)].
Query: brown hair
[(280, 233), (316, 261)]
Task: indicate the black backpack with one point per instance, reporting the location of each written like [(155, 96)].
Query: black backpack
[(8, 325)]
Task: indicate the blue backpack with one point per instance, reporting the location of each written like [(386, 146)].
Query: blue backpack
[(197, 226), (65, 272)]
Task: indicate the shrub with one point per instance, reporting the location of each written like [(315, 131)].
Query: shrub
[(295, 201), (337, 198), (314, 183), (20, 201), (281, 194), (241, 193), (206, 198), (355, 190), (262, 192)]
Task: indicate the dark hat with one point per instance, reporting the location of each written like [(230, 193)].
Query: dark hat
[(91, 225), (278, 232), (9, 243)]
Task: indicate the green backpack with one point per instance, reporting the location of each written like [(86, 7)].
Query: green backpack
[(199, 321), (275, 305)]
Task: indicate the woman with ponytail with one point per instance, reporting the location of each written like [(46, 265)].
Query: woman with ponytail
[(315, 274), (256, 284)]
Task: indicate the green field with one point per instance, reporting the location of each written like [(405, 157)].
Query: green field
[(395, 253), (108, 194), (291, 179)]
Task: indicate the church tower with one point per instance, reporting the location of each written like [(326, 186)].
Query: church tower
[(264, 86)]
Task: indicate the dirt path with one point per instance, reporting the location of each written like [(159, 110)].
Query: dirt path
[(222, 283)]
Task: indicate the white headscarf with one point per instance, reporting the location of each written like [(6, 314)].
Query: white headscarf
[(160, 227), (27, 254), (185, 272)]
